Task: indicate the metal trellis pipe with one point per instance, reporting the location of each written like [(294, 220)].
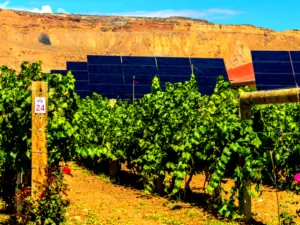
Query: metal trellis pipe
[(248, 99)]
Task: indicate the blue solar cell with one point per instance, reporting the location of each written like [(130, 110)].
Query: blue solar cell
[(272, 67), (211, 72), (172, 61), (171, 79), (108, 90), (140, 70), (62, 72), (138, 61), (105, 69), (80, 75), (83, 94), (82, 86), (138, 89), (283, 80), (106, 79), (142, 80), (76, 66), (103, 60), (174, 70), (207, 80), (295, 55), (270, 56), (200, 63), (185, 78), (297, 75), (296, 66), (206, 90)]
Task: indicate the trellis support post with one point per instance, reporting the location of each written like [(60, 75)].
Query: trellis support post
[(39, 155), (247, 100)]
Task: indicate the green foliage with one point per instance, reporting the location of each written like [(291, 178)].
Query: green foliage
[(50, 205), (176, 132), (15, 119), (286, 219), (179, 132)]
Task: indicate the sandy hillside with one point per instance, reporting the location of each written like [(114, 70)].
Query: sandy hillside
[(72, 37)]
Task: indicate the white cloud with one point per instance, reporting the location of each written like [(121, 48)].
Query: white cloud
[(197, 14), (3, 5), (43, 9), (61, 10)]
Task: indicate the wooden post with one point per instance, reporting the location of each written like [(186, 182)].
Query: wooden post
[(159, 184), (18, 201), (247, 100), (39, 158), (114, 165), (245, 201)]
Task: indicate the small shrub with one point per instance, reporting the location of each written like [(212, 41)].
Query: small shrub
[(50, 206), (287, 219)]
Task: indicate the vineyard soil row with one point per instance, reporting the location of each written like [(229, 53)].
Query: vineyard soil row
[(95, 200)]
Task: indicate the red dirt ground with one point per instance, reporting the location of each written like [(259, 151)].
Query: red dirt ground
[(95, 200)]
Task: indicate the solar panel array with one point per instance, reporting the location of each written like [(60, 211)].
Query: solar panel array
[(276, 69), (112, 76)]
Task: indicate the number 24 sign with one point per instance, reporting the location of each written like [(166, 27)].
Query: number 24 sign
[(40, 105)]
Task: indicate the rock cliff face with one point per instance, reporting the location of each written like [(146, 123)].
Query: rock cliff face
[(55, 39)]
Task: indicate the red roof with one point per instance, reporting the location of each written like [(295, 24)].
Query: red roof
[(244, 73)]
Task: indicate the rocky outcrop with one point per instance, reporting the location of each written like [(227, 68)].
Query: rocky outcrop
[(72, 37)]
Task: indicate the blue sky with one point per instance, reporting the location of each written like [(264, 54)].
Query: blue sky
[(277, 14)]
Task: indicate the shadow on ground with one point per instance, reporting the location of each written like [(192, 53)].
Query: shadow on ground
[(134, 181)]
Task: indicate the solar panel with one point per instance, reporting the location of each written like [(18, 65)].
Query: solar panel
[(82, 86), (208, 76), (295, 55), (297, 75), (77, 66), (174, 70), (62, 72), (112, 90), (270, 56), (207, 63), (139, 90), (206, 90), (106, 79), (140, 70), (81, 75), (171, 79), (107, 75), (296, 67), (172, 61), (140, 79), (272, 67), (103, 60), (208, 81), (105, 69), (138, 61), (208, 72), (275, 69), (83, 94)]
